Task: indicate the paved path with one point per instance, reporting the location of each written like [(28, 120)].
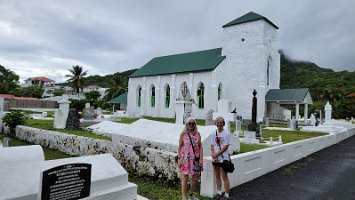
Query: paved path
[(328, 174)]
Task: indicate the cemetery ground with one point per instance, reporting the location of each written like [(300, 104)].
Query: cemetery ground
[(147, 186)]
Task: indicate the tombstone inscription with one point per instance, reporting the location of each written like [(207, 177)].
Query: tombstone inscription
[(70, 181)]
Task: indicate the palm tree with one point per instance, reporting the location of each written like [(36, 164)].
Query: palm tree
[(118, 86), (77, 78)]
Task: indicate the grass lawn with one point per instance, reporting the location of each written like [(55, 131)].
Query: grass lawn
[(289, 136)]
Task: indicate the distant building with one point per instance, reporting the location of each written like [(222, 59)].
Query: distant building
[(39, 81)]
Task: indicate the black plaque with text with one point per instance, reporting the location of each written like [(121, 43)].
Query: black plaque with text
[(66, 182)]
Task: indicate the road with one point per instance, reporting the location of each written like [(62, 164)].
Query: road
[(327, 174)]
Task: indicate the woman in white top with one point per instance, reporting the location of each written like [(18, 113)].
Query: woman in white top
[(220, 140)]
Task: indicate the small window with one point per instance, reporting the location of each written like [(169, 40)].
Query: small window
[(152, 100), (219, 91), (167, 96), (139, 101), (201, 96)]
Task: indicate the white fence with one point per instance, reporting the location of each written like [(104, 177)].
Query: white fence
[(257, 163)]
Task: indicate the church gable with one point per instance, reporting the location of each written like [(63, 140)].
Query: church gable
[(182, 63), (249, 17)]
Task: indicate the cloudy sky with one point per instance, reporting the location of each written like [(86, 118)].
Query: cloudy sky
[(46, 38)]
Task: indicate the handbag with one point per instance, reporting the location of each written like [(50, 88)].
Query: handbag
[(227, 165)]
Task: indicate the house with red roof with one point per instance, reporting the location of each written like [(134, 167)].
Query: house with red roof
[(39, 81)]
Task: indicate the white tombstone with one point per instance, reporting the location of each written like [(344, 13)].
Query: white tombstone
[(280, 139), (250, 137), (109, 180), (44, 114), (183, 105), (61, 114), (328, 112), (238, 128), (313, 120), (21, 154), (99, 111), (87, 105), (224, 110)]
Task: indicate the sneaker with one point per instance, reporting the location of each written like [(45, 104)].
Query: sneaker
[(193, 198), (218, 196)]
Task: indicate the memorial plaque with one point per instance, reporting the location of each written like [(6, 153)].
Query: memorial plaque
[(70, 181)]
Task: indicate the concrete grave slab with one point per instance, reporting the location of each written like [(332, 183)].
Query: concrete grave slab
[(109, 180)]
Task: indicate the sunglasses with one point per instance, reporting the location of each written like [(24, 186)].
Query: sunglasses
[(191, 123)]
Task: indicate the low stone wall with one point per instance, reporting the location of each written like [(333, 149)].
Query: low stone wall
[(141, 160)]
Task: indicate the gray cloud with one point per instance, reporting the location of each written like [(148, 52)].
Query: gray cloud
[(41, 37)]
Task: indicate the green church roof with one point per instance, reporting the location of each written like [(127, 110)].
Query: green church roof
[(119, 99), (249, 17), (206, 60), (289, 95)]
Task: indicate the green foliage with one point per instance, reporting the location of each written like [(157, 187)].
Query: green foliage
[(117, 86), (31, 91), (77, 78), (92, 96), (78, 104), (324, 85), (58, 92), (8, 80), (13, 119)]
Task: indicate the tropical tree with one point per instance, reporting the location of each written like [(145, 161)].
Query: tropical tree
[(30, 91), (118, 85), (8, 80), (77, 78)]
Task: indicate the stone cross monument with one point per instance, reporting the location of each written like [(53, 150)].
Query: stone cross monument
[(183, 104)]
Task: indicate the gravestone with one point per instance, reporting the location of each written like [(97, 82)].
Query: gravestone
[(69, 181), (6, 142), (183, 105), (44, 114), (250, 137), (328, 113), (267, 121), (313, 120), (73, 121), (253, 126), (23, 154), (61, 114), (292, 123), (238, 128), (224, 110), (88, 112), (109, 180), (209, 118), (98, 111)]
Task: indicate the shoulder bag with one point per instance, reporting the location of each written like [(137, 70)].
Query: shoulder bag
[(227, 165)]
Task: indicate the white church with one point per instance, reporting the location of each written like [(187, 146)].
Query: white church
[(248, 59)]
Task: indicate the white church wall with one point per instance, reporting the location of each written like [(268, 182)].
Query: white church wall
[(175, 81), (244, 68)]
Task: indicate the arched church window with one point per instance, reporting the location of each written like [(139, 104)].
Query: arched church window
[(167, 96), (139, 100), (219, 91), (201, 96), (152, 99)]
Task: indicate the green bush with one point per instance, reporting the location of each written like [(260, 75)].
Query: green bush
[(13, 119)]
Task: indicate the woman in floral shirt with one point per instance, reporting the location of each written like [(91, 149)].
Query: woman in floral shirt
[(187, 156)]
